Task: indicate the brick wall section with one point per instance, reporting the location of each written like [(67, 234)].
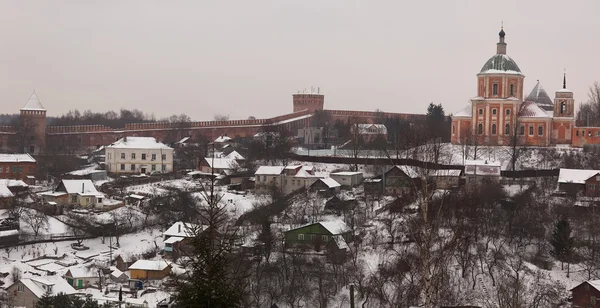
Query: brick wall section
[(585, 135), (17, 170)]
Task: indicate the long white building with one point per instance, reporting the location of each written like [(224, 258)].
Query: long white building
[(139, 155)]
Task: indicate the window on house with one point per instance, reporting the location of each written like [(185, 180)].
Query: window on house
[(494, 111), (530, 130), (301, 237), (87, 200), (164, 156), (507, 111), (143, 156), (540, 130), (153, 167), (74, 199), (132, 155), (479, 128), (493, 129), (132, 167), (20, 169), (324, 238), (598, 133), (312, 236), (20, 287), (153, 156), (522, 130), (164, 168), (14, 169), (577, 133), (453, 129), (507, 129), (122, 155), (480, 111), (285, 181), (264, 178), (495, 89), (122, 166), (512, 90)]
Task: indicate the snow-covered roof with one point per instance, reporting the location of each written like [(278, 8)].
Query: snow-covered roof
[(116, 273), (53, 193), (222, 139), (500, 64), (48, 284), (482, 162), (575, 176), (269, 170), (331, 183), (134, 196), (595, 284), (173, 240), (5, 192), (446, 172), (183, 140), (482, 167), (410, 171), (16, 158), (83, 187), (181, 229), (138, 143), (13, 183), (345, 173), (467, 111), (372, 129), (564, 91), (532, 110), (33, 103), (340, 242), (221, 163), (149, 265), (81, 272), (305, 172), (540, 97), (235, 155), (335, 226)]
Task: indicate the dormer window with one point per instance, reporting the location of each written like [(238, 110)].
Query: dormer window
[(495, 89), (512, 90)]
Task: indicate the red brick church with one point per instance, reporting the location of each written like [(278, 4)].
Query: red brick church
[(34, 136), (501, 115)]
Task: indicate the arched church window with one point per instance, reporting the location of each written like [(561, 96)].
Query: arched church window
[(493, 129), (495, 89), (479, 128), (512, 90), (507, 129), (563, 107)]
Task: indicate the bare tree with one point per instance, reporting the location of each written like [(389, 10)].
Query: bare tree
[(38, 221), (221, 117)]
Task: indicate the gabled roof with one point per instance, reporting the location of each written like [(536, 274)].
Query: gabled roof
[(149, 265), (235, 155), (269, 170), (82, 187), (465, 112), (346, 173), (594, 283), (575, 176), (183, 140), (33, 103), (221, 163), (81, 272), (531, 110), (138, 143), (335, 227), (13, 158), (410, 171), (13, 183), (39, 285), (182, 229), (329, 182), (222, 139)]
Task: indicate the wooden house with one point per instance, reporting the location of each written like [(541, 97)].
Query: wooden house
[(149, 270), (401, 179), (586, 294), (330, 235), (326, 186), (123, 262)]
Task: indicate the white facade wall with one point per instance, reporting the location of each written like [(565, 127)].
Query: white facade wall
[(155, 160), (347, 180), (286, 183)]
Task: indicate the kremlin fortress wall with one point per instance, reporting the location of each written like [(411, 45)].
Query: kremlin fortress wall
[(81, 138)]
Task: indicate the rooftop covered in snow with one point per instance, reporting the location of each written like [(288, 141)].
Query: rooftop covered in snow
[(575, 176), (16, 158), (138, 143), (149, 265)]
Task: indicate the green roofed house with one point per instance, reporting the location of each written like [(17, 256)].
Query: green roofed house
[(332, 236)]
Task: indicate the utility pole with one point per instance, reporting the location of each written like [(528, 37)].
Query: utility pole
[(351, 295)]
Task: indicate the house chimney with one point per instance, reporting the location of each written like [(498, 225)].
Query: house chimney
[(179, 228)]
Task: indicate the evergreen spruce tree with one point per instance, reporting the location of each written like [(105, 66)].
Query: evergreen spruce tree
[(45, 301), (215, 277), (562, 242)]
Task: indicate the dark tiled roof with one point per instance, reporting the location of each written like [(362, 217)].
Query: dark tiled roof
[(539, 96)]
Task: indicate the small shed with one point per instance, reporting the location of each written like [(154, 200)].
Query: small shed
[(149, 270), (573, 181), (118, 276), (347, 178), (123, 262), (446, 178), (327, 185), (82, 277), (6, 197)]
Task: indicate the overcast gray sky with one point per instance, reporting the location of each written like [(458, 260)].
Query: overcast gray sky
[(243, 58)]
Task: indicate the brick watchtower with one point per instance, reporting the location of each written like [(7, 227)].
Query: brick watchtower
[(308, 101), (31, 132)]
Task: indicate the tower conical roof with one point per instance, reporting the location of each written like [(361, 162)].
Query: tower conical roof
[(33, 103), (540, 97)]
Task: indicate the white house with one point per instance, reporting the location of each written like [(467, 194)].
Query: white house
[(77, 192), (139, 155), (347, 178), (82, 277), (287, 178), (27, 291)]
